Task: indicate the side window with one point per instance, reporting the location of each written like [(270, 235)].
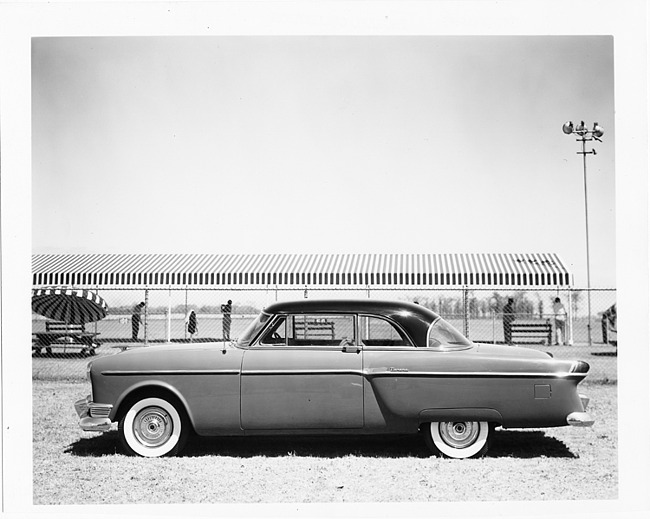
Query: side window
[(321, 329), (276, 335), (374, 331)]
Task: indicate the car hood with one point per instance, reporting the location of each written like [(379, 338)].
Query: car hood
[(192, 356)]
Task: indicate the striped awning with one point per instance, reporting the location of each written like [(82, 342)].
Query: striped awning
[(299, 270)]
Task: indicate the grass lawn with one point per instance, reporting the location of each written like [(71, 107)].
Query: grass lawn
[(75, 467)]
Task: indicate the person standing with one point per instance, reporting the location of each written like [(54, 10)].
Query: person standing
[(226, 310), (191, 324), (559, 314), (508, 318), (135, 320)]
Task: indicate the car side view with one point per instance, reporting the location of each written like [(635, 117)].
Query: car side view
[(333, 367)]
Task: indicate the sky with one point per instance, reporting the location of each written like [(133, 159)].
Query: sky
[(323, 144)]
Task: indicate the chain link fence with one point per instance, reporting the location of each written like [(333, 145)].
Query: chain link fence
[(166, 316)]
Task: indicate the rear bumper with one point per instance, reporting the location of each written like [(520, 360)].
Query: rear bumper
[(579, 420), (93, 416)]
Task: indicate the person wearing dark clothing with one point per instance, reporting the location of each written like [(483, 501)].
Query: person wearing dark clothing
[(191, 324), (226, 310), (135, 320), (508, 318)]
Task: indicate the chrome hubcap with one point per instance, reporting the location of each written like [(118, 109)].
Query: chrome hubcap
[(152, 426), (459, 434)]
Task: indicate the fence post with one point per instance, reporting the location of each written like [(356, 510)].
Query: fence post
[(169, 314), (185, 327), (466, 311), (570, 303), (146, 315), (493, 309)]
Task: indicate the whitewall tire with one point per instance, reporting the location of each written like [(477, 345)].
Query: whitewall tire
[(153, 427), (458, 439)]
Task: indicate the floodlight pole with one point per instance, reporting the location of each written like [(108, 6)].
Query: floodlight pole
[(585, 135), (584, 169)]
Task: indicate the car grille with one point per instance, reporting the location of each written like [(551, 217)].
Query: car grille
[(99, 411)]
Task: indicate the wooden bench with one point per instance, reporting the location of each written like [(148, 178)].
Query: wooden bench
[(314, 330), (540, 332), (63, 335)]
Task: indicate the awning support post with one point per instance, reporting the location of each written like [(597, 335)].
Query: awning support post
[(466, 311)]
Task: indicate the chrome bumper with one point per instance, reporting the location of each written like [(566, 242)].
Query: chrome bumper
[(93, 416), (578, 419)]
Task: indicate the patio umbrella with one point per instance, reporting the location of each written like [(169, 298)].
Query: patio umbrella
[(69, 305)]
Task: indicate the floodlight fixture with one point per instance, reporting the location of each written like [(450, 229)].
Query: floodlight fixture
[(597, 131), (567, 127)]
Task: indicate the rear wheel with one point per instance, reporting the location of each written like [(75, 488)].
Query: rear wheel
[(154, 427), (458, 439)]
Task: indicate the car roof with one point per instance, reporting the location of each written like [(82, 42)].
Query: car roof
[(414, 318)]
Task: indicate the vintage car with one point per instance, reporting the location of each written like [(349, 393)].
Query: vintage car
[(341, 367)]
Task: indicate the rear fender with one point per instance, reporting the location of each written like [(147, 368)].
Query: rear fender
[(457, 415)]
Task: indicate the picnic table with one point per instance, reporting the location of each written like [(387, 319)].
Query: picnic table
[(66, 336)]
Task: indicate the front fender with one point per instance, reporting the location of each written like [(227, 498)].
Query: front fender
[(147, 386)]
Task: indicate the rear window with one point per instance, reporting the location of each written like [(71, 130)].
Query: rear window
[(443, 336)]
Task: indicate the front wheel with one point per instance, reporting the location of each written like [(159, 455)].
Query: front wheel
[(458, 439), (154, 427)]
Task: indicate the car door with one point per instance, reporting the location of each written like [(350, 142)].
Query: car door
[(390, 362), (305, 372)]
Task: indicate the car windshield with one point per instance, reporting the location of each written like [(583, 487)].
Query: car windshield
[(253, 329), (443, 336)]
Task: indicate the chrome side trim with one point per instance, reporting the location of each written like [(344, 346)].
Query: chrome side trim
[(289, 372), (395, 373), (365, 373), (472, 374), (131, 373)]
